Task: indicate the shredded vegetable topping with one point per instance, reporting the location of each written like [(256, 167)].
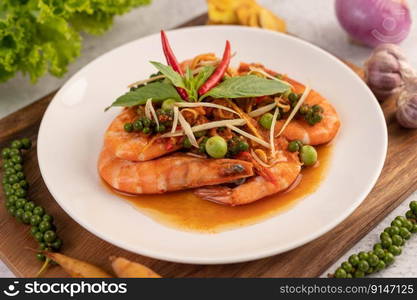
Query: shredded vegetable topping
[(249, 136), (272, 132), (187, 130), (296, 108), (206, 104), (260, 111), (175, 121), (258, 160), (210, 125), (150, 111)]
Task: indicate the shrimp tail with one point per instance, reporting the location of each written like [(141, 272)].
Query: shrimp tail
[(217, 194)]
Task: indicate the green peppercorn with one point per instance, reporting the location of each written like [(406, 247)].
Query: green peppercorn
[(293, 146), (47, 218), (409, 214), (373, 260), (19, 213), (17, 145), (8, 164), (386, 242), (38, 236), (146, 130), (13, 199), (380, 252), (414, 229), (396, 250), (363, 255), (242, 146), (293, 97), (9, 171), (20, 176), (17, 159), (317, 108), (20, 192), (57, 244), (26, 143), (5, 153), (146, 122), (407, 224), (35, 220), (393, 230), (13, 179), (49, 236), (44, 226), (29, 206), (137, 125), (304, 109), (347, 266), (363, 265), (384, 235), (18, 167), (397, 223), (405, 233), (340, 273), (359, 274), (14, 152), (354, 260), (20, 203), (381, 265), (161, 128), (26, 217), (40, 257), (128, 127), (186, 143), (389, 258), (38, 210)]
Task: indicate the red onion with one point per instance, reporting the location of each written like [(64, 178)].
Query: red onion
[(374, 22)]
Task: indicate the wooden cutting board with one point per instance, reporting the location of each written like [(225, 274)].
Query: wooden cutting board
[(395, 184)]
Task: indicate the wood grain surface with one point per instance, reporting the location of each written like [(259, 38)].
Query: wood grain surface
[(311, 260)]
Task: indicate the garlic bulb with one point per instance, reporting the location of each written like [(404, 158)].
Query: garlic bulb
[(407, 105), (387, 70)]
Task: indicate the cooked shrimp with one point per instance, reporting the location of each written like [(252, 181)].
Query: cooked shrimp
[(255, 188), (135, 146), (169, 173), (320, 133)]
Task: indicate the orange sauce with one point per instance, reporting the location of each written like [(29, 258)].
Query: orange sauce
[(184, 211)]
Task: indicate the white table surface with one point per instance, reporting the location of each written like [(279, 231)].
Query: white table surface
[(314, 21)]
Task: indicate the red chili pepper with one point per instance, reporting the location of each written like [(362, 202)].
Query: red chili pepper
[(218, 73), (172, 61)]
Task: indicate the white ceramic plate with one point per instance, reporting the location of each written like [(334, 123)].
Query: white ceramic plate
[(71, 136)]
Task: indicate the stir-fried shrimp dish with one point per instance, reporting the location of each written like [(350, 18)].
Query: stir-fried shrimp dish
[(231, 135)]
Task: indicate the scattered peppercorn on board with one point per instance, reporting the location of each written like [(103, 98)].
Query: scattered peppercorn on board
[(395, 184)]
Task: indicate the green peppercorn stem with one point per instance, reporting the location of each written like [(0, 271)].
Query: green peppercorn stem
[(392, 239), (15, 189)]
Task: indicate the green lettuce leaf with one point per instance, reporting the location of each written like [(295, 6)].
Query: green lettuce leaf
[(40, 36)]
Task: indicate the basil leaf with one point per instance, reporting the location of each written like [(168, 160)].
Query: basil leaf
[(247, 86), (172, 75), (202, 77), (158, 91)]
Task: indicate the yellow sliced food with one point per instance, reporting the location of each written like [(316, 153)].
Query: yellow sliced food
[(77, 268), (125, 268), (269, 21)]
